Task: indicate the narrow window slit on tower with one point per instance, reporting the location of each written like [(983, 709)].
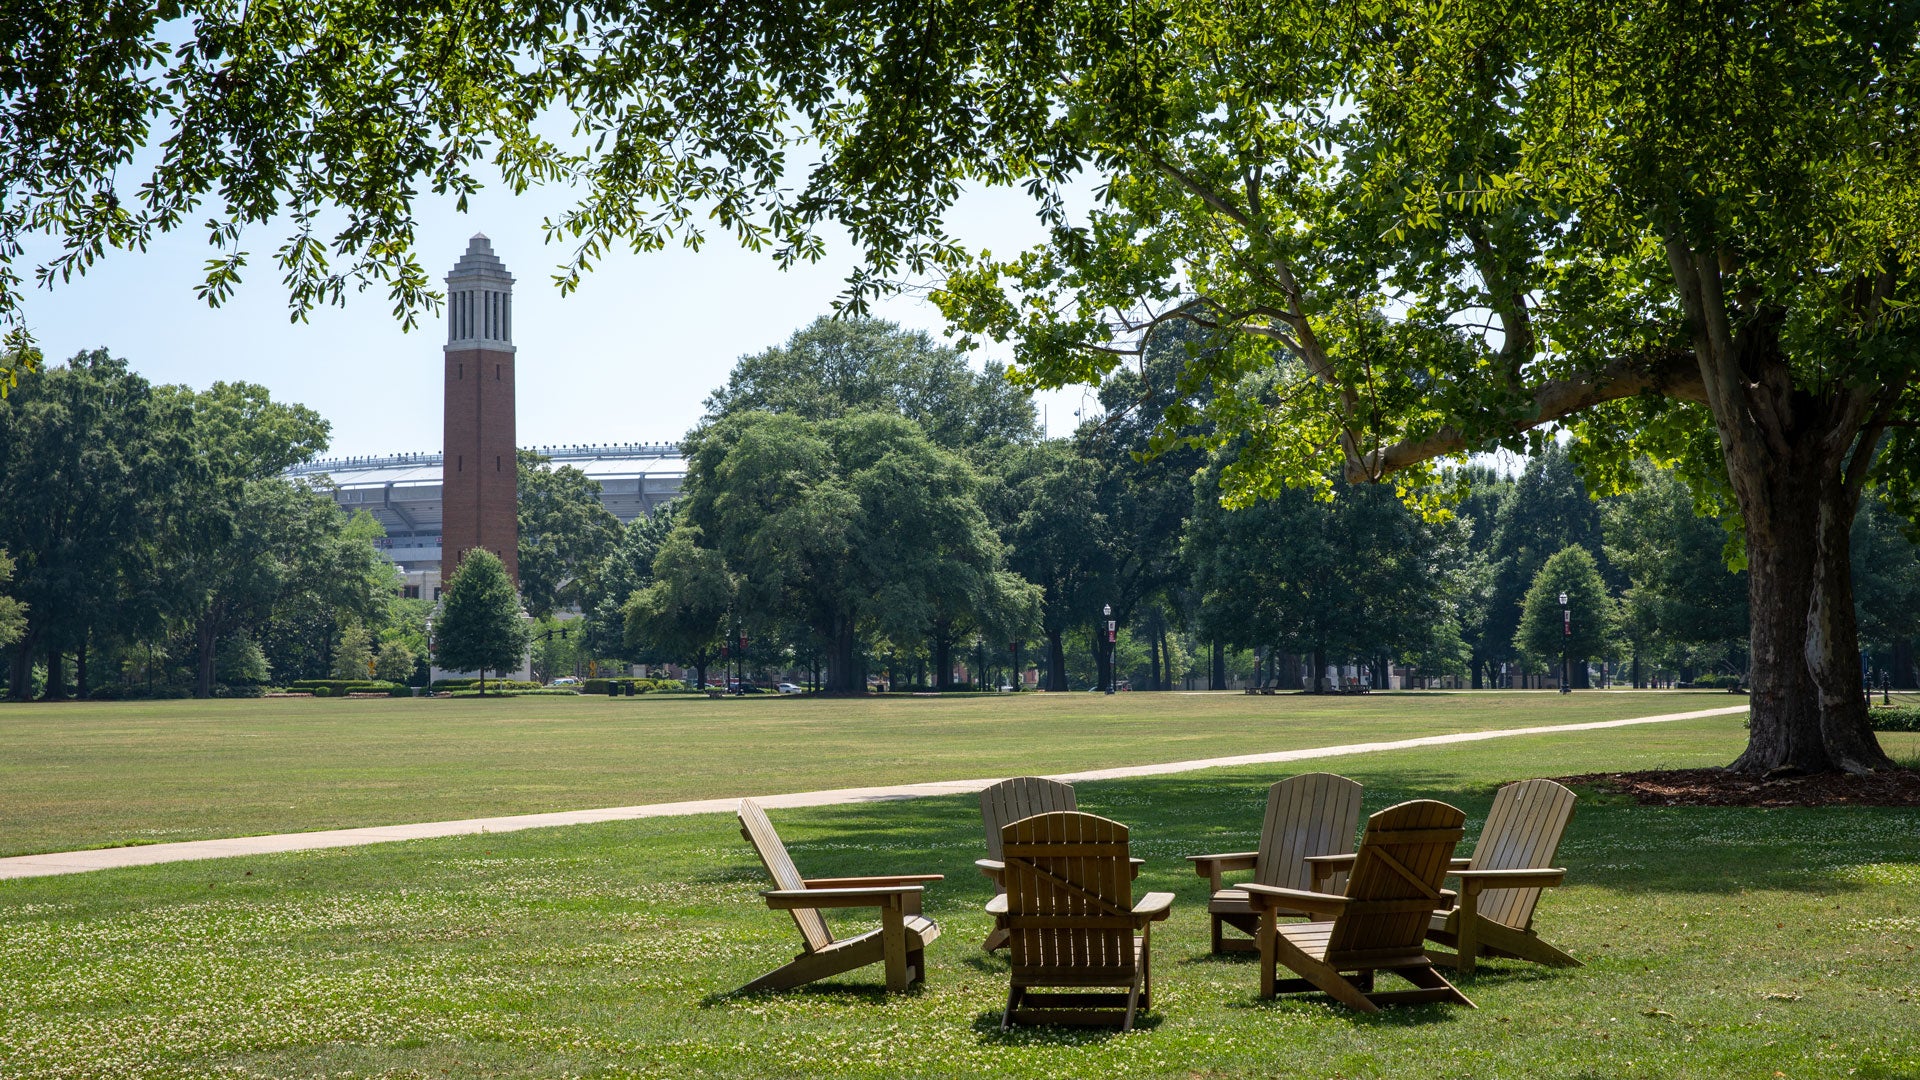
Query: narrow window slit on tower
[(460, 463)]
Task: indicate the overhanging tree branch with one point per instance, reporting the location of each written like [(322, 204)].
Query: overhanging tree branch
[(1673, 374)]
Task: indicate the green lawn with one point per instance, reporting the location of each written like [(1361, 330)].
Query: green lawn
[(1718, 943), (99, 774)]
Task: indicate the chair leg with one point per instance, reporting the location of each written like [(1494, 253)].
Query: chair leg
[(998, 938), (1013, 1001), (1524, 945), (1133, 1005), (1467, 940), (1219, 942), (1269, 957), (893, 948), (1430, 979), (1325, 978)]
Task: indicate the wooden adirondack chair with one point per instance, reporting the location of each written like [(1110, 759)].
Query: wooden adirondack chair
[(1308, 815), (1000, 805), (1380, 923), (1501, 884), (900, 942), (1073, 921)]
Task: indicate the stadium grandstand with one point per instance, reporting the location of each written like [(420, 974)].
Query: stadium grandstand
[(402, 492)]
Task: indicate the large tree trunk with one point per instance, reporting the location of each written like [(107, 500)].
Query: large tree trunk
[(1056, 662), (81, 688), (206, 641), (942, 663), (841, 676), (1218, 675), (1807, 711), (56, 689), (1797, 459), (20, 675), (1833, 644)]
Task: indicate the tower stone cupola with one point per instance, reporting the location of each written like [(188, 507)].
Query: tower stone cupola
[(479, 487)]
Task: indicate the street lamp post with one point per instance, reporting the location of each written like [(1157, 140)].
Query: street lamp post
[(1566, 646), (1106, 610)]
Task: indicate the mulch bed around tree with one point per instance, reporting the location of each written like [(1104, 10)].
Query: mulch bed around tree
[(1715, 787)]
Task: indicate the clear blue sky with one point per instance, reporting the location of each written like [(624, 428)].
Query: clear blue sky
[(626, 358)]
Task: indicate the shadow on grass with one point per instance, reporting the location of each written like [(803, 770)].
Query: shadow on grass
[(1391, 1016), (986, 1025), (1612, 843), (837, 993)]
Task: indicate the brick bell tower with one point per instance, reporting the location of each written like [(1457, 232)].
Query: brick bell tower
[(479, 485)]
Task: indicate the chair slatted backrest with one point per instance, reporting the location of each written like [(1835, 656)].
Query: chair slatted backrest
[(1395, 885), (759, 832), (1021, 797), (1523, 832), (1309, 814), (1069, 898)]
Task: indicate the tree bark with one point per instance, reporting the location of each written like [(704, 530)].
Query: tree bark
[(841, 675), (20, 673), (1056, 662), (942, 663), (81, 688), (205, 641), (1807, 711), (56, 688), (1217, 677)]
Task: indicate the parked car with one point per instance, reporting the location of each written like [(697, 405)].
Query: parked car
[(565, 680), (789, 688)]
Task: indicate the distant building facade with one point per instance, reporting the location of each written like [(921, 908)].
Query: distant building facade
[(405, 493)]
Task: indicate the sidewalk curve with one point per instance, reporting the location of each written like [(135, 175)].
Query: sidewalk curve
[(75, 862)]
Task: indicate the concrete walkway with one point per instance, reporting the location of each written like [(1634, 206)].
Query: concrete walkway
[(75, 862)]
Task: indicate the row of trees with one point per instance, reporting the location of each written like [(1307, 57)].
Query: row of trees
[(155, 543), (858, 500)]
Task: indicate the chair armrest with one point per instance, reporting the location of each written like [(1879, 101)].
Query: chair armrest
[(1322, 867), (1474, 881), (1134, 865), (992, 868), (1313, 903), (1154, 906), (884, 881), (1212, 867), (1458, 864), (877, 896), (1207, 865)]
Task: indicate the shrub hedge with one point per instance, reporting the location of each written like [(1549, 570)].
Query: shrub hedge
[(536, 691), (465, 684), (1715, 682), (343, 687), (632, 686), (1895, 717)]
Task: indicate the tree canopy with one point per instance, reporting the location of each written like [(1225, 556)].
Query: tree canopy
[(480, 627), (1684, 231), (566, 534)]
